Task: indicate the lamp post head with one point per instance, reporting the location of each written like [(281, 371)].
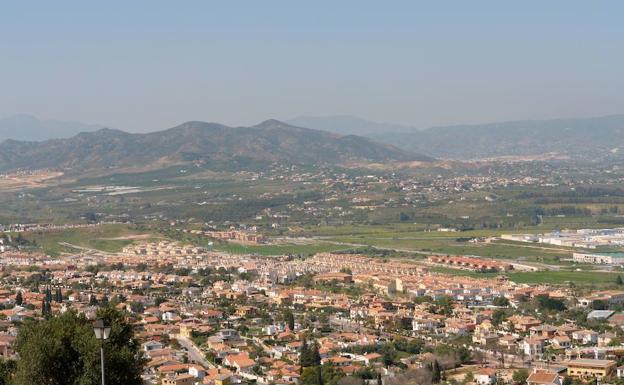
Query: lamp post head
[(101, 329)]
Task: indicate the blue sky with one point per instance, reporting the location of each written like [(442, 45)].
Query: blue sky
[(147, 65)]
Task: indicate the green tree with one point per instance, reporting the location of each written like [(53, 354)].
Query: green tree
[(46, 310), (19, 299), (436, 372), (20, 240), (330, 375), (304, 354), (315, 356), (599, 304), (546, 303), (7, 370), (500, 301), (48, 294), (619, 280), (464, 355), (445, 305), (289, 317), (58, 297), (63, 350), (137, 307), (520, 376), (90, 217), (388, 357), (498, 317), (308, 376)]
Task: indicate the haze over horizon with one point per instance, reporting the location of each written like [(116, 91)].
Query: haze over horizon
[(151, 65)]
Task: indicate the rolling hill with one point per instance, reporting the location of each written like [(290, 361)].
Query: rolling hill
[(269, 141)]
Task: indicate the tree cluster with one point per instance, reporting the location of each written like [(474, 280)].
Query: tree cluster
[(309, 355), (63, 350)]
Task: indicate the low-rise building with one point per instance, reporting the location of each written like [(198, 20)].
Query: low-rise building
[(585, 367)]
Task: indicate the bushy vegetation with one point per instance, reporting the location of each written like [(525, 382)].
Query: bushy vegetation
[(63, 350)]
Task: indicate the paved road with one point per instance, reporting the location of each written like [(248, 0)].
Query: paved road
[(194, 353)]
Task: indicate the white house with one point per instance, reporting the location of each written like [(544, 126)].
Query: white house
[(423, 324), (533, 346), (585, 336), (485, 376), (152, 345)]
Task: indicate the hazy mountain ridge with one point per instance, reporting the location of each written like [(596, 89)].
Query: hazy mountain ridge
[(582, 138), (30, 128), (577, 138), (348, 125), (271, 141)]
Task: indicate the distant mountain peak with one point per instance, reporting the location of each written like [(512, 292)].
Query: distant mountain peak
[(270, 122), (105, 131), (273, 123)]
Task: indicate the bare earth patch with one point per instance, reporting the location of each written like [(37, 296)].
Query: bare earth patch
[(32, 179)]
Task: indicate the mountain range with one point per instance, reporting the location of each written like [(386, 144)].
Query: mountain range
[(351, 140), (269, 141), (581, 138)]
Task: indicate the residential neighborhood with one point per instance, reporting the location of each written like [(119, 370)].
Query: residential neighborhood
[(205, 317)]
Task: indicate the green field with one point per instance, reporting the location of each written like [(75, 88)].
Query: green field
[(451, 243), (579, 278), (99, 238)]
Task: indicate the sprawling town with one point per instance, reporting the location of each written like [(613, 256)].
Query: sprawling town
[(208, 317), (312, 193)]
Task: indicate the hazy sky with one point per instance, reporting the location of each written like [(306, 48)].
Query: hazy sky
[(146, 65)]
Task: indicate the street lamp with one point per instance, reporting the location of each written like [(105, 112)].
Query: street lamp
[(102, 331)]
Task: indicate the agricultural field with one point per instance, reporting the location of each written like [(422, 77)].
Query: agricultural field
[(414, 239), (584, 279), (578, 278)]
